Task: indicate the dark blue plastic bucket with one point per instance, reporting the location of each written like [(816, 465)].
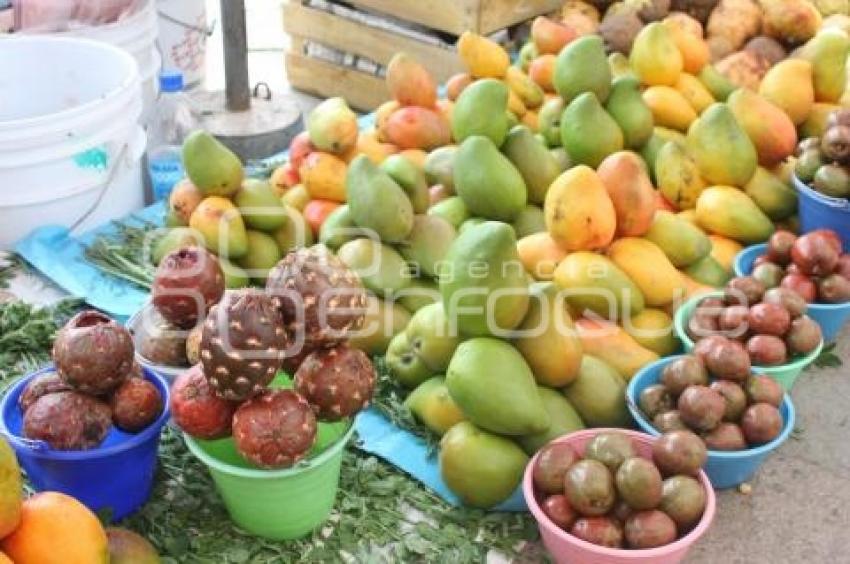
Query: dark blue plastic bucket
[(725, 469), (117, 475), (817, 211), (830, 317)]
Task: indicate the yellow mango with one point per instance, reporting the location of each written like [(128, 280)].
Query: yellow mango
[(323, 175), (654, 57), (382, 116), (540, 255), (653, 330), (431, 403), (677, 176), (515, 104), (694, 49), (694, 92), (724, 250), (649, 268), (669, 107), (689, 216), (579, 213), (368, 144), (530, 120), (624, 175), (610, 343), (790, 86), (728, 211), (528, 91), (483, 57)]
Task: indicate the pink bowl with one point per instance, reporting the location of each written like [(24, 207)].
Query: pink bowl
[(567, 549)]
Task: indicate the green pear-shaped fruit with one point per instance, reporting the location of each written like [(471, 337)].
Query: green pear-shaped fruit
[(260, 207), (418, 294), (428, 243), (295, 233), (564, 420), (683, 242), (549, 121), (723, 151), (234, 277), (481, 109), (709, 272), (494, 387), (263, 253), (655, 58), (650, 151), (432, 337), (432, 404), (339, 228), (582, 66), (175, 238), (533, 161), (529, 221), (588, 133), (403, 363), (384, 320), (452, 210), (599, 395), (730, 212), (332, 126), (774, 197), (718, 85), (213, 168), (377, 202), (221, 226), (380, 267), (625, 104), (410, 178), (439, 167), (827, 51), (487, 182)]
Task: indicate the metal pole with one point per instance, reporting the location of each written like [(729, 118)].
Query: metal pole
[(237, 86)]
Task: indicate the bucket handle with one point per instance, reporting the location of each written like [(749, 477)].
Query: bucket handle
[(109, 179), (32, 444), (208, 31)]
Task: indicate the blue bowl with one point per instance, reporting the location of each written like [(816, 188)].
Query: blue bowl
[(830, 317), (817, 211), (117, 475), (725, 469)]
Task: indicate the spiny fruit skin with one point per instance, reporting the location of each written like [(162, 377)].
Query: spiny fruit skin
[(187, 283), (242, 344), (320, 298), (93, 353), (68, 421), (135, 405), (197, 409), (41, 385), (337, 382), (275, 429)]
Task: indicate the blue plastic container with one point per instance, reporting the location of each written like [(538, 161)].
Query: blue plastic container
[(117, 475), (724, 469), (817, 211), (830, 317)]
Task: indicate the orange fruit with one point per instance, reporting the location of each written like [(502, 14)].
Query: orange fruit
[(317, 211), (5, 559)]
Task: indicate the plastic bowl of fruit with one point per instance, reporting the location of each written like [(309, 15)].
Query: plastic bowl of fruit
[(829, 306), (654, 503), (159, 345), (741, 421), (820, 211)]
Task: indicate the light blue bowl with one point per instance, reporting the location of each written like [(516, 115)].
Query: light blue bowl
[(725, 469), (830, 317)]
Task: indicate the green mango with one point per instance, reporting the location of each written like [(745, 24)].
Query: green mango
[(431, 336), (564, 420), (549, 121), (582, 67), (175, 238), (626, 106), (530, 220), (683, 242), (561, 157), (481, 261), (512, 120), (173, 219), (432, 404), (718, 85), (730, 212), (481, 468), (709, 272), (332, 126), (487, 182), (295, 233), (481, 109), (339, 228), (451, 209), (527, 53), (213, 168), (406, 368), (428, 243), (827, 51), (439, 167), (381, 269), (221, 226), (721, 148), (494, 387), (234, 277), (263, 254), (773, 196), (470, 223), (418, 294), (584, 274), (377, 202), (599, 395), (384, 320), (660, 137), (588, 133), (410, 178), (260, 207), (535, 164)]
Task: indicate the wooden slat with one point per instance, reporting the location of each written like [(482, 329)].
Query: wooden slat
[(358, 39), (452, 16), (362, 91), (499, 14)]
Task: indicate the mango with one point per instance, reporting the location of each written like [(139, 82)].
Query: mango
[(678, 176), (382, 116), (410, 83), (410, 178), (483, 57), (730, 212), (295, 233), (480, 110), (582, 67), (827, 52), (593, 282), (579, 212), (323, 174), (631, 113), (380, 268), (692, 47), (432, 337), (540, 255), (403, 363), (172, 219), (694, 92), (439, 167), (789, 85), (339, 228), (609, 342), (515, 105), (483, 469), (669, 107), (420, 292), (263, 254), (588, 132), (484, 287), (428, 243), (660, 136), (654, 57), (542, 72), (377, 202), (724, 250), (561, 157), (547, 339), (527, 53), (384, 320), (731, 161), (221, 226), (11, 489), (550, 36), (530, 120), (564, 420), (456, 84), (297, 197), (681, 241), (708, 271), (183, 200), (620, 67), (537, 167), (649, 268), (413, 127), (494, 387), (452, 210), (689, 215), (332, 126), (631, 192), (774, 197), (529, 92), (487, 182), (234, 277), (173, 239), (815, 123), (653, 330), (213, 168), (769, 128), (599, 395), (369, 145), (431, 404), (718, 85), (549, 121)]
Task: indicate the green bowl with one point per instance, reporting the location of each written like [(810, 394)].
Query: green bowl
[(785, 374)]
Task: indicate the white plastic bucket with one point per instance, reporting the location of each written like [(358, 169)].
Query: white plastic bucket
[(70, 143), (183, 33)]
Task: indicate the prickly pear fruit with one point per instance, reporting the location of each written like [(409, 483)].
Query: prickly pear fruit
[(68, 421), (135, 405), (197, 409), (187, 283), (336, 382)]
